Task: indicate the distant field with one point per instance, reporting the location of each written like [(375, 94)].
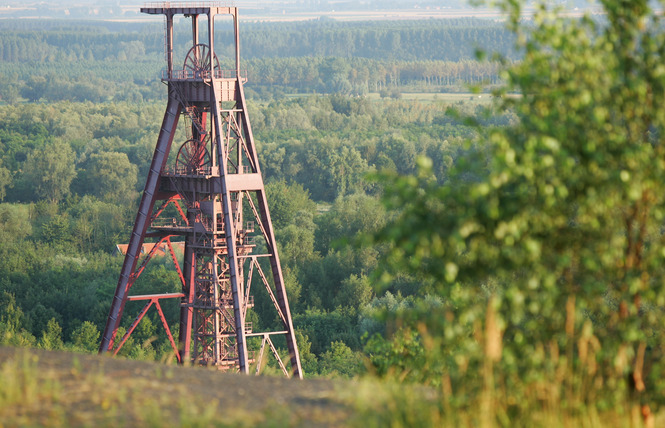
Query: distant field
[(433, 97), (403, 14), (376, 15), (427, 97)]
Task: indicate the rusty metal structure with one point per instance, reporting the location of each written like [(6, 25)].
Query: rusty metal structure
[(209, 193)]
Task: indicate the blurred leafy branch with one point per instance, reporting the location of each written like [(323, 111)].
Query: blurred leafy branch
[(545, 242)]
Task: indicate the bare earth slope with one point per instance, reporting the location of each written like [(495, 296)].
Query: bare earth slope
[(43, 388)]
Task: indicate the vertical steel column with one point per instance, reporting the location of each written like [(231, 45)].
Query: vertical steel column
[(236, 35), (187, 302), (169, 44), (227, 209), (195, 29)]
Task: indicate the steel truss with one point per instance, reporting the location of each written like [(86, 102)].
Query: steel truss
[(215, 195)]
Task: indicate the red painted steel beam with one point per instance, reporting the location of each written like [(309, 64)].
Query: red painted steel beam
[(160, 157), (278, 277), (155, 296), (230, 231), (153, 299)]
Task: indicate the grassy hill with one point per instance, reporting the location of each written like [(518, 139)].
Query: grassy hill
[(42, 388)]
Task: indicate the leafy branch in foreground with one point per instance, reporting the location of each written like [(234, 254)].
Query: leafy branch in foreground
[(550, 262)]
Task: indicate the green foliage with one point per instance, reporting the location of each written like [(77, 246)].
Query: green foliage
[(323, 328), (111, 177), (56, 257), (297, 241), (308, 360), (339, 139), (59, 60), (288, 203), (52, 336), (348, 219), (15, 221), (11, 315), (323, 278), (340, 361), (50, 170), (523, 267), (76, 140), (5, 181), (356, 292), (56, 230), (11, 318), (86, 337), (403, 357), (339, 169), (98, 225), (556, 242)]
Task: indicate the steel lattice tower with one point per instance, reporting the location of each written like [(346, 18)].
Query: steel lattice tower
[(215, 187)]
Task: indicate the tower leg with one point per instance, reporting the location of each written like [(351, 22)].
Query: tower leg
[(137, 237), (278, 278), (270, 237), (186, 309)]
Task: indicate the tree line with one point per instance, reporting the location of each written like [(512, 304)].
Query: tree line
[(434, 40), (123, 62), (129, 81)]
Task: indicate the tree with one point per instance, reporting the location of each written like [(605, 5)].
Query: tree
[(355, 292), (332, 168), (288, 201), (15, 221), (56, 230), (52, 336), (335, 72), (12, 331), (349, 217), (49, 171), (556, 243), (308, 360), (9, 91), (341, 361), (111, 177), (5, 181), (322, 328), (11, 315), (98, 224), (85, 337)]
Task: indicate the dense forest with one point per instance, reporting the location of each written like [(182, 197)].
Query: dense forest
[(76, 142), (448, 40), (505, 254), (122, 62), (71, 175)]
